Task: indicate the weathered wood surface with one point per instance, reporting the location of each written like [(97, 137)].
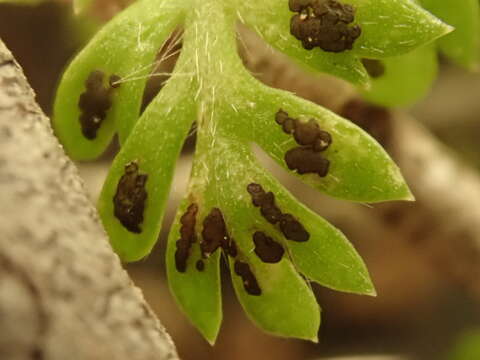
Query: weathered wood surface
[(63, 292)]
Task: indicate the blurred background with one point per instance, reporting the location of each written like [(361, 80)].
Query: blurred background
[(424, 257)]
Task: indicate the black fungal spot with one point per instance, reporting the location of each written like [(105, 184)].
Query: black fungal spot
[(288, 124), (200, 265), (250, 283), (267, 249), (214, 234), (269, 210), (292, 229), (129, 200), (266, 202), (232, 249), (257, 193), (307, 161), (187, 237), (322, 142), (304, 133), (375, 68), (313, 140), (326, 24), (95, 102)]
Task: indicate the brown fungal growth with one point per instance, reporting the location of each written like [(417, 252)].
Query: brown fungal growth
[(269, 210), (250, 283), (266, 202), (304, 133), (232, 249), (95, 102), (292, 229), (200, 265), (187, 238), (306, 158), (267, 249), (129, 200), (375, 68), (215, 235), (257, 193), (288, 124), (307, 161), (327, 24)]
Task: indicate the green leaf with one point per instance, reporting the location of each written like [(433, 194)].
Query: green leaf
[(360, 169), (394, 27), (409, 77), (154, 145), (286, 306), (462, 45), (389, 28), (406, 79), (125, 47), (233, 111), (327, 257), (197, 292)]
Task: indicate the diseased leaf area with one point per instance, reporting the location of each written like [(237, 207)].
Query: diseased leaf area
[(130, 198), (324, 23), (291, 228), (95, 102), (307, 158), (234, 209)]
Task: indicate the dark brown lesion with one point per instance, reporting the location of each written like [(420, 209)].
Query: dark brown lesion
[(214, 237), (267, 249), (266, 202), (308, 157), (187, 238), (327, 24), (200, 265), (305, 133), (291, 228), (307, 161), (95, 102), (214, 233), (375, 68), (250, 283), (129, 200)]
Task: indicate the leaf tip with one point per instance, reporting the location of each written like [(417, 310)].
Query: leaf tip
[(371, 292), (409, 197), (447, 29), (314, 339), (211, 339), (439, 28)]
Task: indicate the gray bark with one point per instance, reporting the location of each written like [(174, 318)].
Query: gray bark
[(63, 292)]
